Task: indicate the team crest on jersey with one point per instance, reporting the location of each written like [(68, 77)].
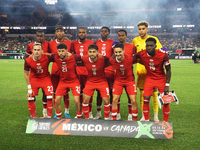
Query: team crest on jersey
[(38, 63), (121, 65), (150, 59), (137, 45), (93, 65), (64, 64)]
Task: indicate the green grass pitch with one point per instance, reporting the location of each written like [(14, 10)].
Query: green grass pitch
[(14, 114)]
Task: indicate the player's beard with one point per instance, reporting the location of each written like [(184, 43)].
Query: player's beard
[(143, 35), (82, 38), (62, 57)]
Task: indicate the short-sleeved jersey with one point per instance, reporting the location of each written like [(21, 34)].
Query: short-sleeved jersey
[(140, 43), (53, 49), (39, 69), (66, 67), (82, 50), (105, 47), (129, 49), (45, 47), (124, 69), (155, 64), (95, 69)]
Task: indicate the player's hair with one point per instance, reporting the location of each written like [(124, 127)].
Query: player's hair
[(39, 31), (93, 46), (119, 45), (37, 44), (151, 39), (104, 27), (143, 23), (59, 27), (62, 46), (122, 30), (83, 28)]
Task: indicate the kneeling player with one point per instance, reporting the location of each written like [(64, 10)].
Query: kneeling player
[(66, 63), (154, 59), (95, 80), (38, 64), (124, 77)]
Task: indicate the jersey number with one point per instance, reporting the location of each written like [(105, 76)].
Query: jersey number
[(64, 69)]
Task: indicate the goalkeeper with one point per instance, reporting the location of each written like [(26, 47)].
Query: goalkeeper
[(140, 45)]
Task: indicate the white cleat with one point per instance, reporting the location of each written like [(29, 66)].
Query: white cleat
[(118, 116), (156, 118), (90, 115), (98, 116), (142, 119), (44, 112), (130, 118)]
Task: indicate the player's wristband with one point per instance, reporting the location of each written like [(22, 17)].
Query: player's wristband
[(167, 84), (29, 89)]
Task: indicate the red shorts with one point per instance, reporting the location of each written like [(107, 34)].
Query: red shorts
[(44, 83), (150, 84), (102, 87), (129, 86), (63, 87)]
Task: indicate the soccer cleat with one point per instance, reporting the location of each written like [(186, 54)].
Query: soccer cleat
[(156, 118), (118, 116), (67, 116), (44, 111), (130, 118), (98, 115), (142, 119), (55, 116), (90, 115)]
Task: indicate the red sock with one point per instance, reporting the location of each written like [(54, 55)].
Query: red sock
[(79, 114), (66, 101), (85, 110), (114, 114), (31, 107), (49, 105), (106, 110), (59, 114), (134, 114), (90, 104), (118, 107), (146, 109), (129, 108), (166, 111)]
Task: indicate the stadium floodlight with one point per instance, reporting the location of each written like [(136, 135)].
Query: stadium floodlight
[(179, 9), (50, 2)]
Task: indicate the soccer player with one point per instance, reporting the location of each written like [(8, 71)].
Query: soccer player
[(105, 48), (55, 74), (66, 63), (95, 80), (81, 48), (154, 59), (129, 49), (40, 78), (40, 38), (140, 45), (124, 77)]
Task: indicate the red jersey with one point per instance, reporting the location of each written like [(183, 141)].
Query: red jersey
[(96, 69), (129, 49), (53, 49), (124, 69), (45, 47), (82, 50), (66, 67), (39, 69), (154, 64), (105, 48)]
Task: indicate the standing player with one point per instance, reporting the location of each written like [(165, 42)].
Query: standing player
[(129, 49), (124, 77), (40, 38), (105, 48), (154, 60), (55, 75), (95, 80), (140, 45), (66, 63), (81, 48), (40, 78)]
